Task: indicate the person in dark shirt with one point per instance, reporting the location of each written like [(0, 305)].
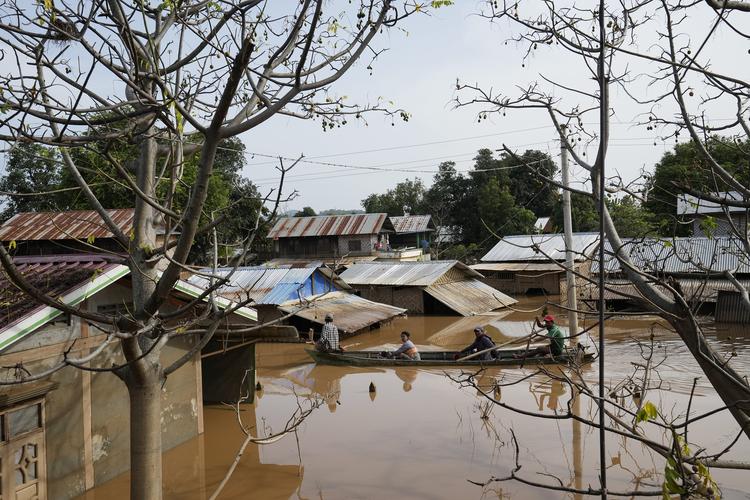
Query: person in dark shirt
[(482, 341), (556, 340)]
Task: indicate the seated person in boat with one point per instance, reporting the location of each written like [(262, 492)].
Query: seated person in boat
[(329, 336), (556, 340), (407, 350), (482, 342)]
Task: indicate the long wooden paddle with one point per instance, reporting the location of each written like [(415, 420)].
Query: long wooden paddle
[(494, 348)]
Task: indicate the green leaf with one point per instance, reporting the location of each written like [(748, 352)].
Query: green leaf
[(647, 412), (90, 240), (12, 244)]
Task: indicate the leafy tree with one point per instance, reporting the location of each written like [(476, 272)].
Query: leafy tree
[(31, 169), (630, 218), (583, 214), (529, 187), (406, 197), (686, 166), (305, 212)]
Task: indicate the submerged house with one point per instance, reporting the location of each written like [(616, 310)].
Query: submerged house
[(69, 431), (534, 263), (300, 298), (437, 287), (695, 265)]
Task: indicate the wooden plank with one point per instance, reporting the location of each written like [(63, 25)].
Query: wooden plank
[(88, 447), (50, 351)]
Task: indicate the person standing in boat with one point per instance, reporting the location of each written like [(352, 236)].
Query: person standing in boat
[(482, 342), (407, 350), (329, 336), (556, 340)]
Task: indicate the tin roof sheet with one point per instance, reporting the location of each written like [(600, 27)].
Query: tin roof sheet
[(518, 266), (52, 275), (688, 204), (694, 290), (538, 247), (264, 285), (469, 297), (696, 254), (351, 313), (403, 273), (330, 225), (74, 224), (412, 224)]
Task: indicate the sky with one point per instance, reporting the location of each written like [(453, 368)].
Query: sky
[(418, 73)]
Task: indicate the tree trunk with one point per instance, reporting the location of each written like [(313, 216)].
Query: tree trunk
[(733, 390), (145, 439)]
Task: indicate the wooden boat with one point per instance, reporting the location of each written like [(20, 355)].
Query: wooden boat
[(437, 358)]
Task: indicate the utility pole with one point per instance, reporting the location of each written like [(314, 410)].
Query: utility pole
[(568, 227)]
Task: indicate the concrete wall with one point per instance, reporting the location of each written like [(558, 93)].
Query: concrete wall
[(367, 244)]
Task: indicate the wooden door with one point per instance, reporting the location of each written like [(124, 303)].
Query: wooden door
[(23, 467)]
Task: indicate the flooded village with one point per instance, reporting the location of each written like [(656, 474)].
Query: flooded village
[(384, 431), (374, 250)]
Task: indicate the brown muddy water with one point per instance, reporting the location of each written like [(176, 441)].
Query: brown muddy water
[(422, 436)]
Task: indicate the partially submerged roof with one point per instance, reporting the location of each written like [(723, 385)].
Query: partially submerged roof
[(469, 297), (74, 224), (688, 204), (539, 247), (266, 285), (351, 313), (407, 273), (330, 225), (406, 224), (696, 254), (71, 279)]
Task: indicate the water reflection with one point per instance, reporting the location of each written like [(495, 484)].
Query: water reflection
[(419, 436)]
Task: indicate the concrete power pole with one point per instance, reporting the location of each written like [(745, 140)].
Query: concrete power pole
[(568, 226)]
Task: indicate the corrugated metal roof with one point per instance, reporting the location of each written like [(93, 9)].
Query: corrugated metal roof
[(263, 284), (75, 224), (688, 204), (541, 247), (470, 297), (541, 223), (351, 313), (681, 255), (692, 288), (412, 224), (53, 275), (403, 273), (330, 225), (517, 266)]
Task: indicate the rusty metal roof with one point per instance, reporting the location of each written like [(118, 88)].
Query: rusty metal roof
[(52, 275), (696, 254), (74, 224), (469, 297), (351, 313), (404, 273), (538, 247), (412, 224), (330, 225)]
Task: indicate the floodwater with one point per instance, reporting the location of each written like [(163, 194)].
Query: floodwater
[(422, 436)]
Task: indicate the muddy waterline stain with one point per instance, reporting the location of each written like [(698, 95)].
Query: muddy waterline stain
[(421, 436)]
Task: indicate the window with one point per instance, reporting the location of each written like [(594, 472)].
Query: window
[(355, 245), (24, 420)]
